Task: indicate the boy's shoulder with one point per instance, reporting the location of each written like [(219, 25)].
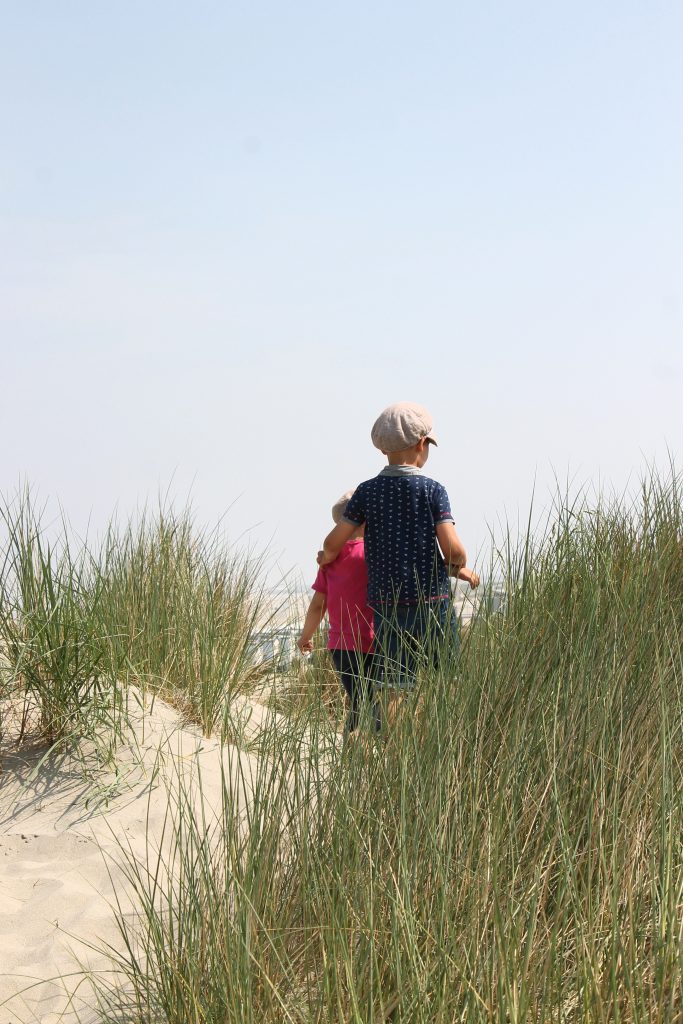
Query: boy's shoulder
[(403, 473), (389, 478)]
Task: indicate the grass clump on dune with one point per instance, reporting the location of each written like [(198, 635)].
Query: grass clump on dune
[(179, 608), (160, 604), (512, 853), (53, 662)]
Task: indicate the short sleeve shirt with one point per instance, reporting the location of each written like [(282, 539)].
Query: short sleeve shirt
[(401, 509), (344, 583)]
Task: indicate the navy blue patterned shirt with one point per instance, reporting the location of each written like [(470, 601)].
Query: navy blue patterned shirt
[(401, 509)]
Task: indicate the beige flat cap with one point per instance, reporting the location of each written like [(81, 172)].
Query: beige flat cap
[(401, 426)]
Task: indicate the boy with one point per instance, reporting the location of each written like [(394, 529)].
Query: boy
[(411, 548), (341, 591)]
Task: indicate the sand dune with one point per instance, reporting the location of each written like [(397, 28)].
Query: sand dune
[(59, 853)]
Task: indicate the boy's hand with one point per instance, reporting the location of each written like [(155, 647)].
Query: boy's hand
[(305, 646), (469, 576), (323, 558)]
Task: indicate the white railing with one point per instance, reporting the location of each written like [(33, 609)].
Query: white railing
[(276, 646)]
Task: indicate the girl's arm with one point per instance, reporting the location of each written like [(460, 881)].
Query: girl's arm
[(314, 616)]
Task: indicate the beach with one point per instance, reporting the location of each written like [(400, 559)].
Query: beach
[(61, 837)]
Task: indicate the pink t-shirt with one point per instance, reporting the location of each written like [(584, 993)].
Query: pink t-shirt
[(345, 584)]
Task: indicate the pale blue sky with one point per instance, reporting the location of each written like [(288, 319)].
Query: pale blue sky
[(233, 233)]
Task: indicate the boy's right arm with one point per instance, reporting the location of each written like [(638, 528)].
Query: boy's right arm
[(452, 548), (314, 616), (335, 541)]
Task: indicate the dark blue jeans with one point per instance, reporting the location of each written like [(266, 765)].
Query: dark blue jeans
[(410, 635), (357, 672)]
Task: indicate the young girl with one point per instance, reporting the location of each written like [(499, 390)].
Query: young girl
[(341, 590)]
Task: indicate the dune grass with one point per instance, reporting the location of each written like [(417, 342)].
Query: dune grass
[(159, 603), (53, 664), (178, 609), (512, 852)]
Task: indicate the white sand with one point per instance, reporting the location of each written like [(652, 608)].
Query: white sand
[(58, 854)]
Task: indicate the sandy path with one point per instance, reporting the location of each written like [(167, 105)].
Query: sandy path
[(58, 852)]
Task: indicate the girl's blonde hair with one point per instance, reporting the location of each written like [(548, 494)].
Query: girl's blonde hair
[(339, 507)]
